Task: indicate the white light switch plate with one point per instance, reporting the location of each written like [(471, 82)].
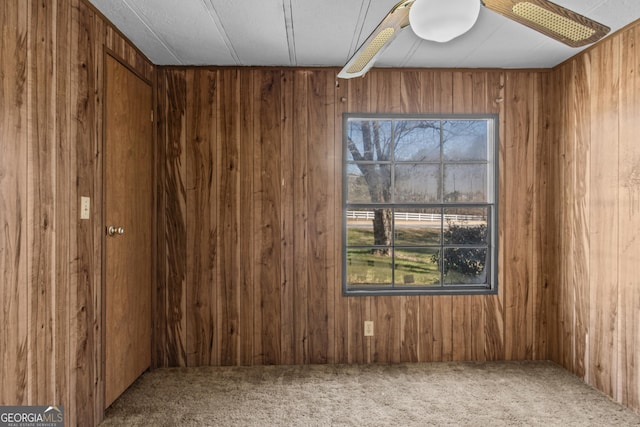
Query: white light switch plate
[(85, 208)]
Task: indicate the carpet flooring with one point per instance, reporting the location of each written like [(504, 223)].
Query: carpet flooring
[(447, 394)]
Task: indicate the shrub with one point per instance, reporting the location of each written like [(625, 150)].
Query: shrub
[(466, 261)]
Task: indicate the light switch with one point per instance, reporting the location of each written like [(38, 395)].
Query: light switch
[(85, 208)]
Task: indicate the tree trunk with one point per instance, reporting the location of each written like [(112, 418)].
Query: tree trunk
[(377, 178), (382, 230)]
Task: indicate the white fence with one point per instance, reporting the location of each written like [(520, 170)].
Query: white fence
[(414, 216)]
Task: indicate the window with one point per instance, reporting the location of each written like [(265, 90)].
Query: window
[(420, 202)]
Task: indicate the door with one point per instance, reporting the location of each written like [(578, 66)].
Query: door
[(128, 202)]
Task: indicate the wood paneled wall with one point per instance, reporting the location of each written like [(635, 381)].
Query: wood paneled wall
[(51, 66), (249, 201), (252, 234), (596, 174)]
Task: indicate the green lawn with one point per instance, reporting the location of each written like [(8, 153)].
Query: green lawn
[(413, 267), (405, 236)]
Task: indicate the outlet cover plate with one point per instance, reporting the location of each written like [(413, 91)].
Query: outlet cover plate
[(368, 328)]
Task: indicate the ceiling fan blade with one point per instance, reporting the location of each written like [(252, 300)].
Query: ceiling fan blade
[(552, 20), (388, 29)]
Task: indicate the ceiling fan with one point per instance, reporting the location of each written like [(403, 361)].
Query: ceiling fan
[(443, 20)]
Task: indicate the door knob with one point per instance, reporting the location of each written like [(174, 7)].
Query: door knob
[(114, 231)]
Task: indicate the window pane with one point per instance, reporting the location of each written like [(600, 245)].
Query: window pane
[(465, 226), (368, 183), (465, 265), (465, 183), (369, 140), (417, 194), (417, 141), (366, 267), (417, 183), (464, 140), (416, 267), (356, 185), (359, 227), (369, 227), (417, 227)]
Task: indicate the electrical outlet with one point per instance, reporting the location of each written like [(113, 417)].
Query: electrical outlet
[(85, 208), (368, 328)]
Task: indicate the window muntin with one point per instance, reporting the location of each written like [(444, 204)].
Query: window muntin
[(419, 204)]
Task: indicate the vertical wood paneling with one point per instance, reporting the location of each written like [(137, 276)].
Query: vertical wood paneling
[(553, 255), (596, 302), (536, 212), (562, 307), (159, 292), (333, 233), (337, 303), (277, 296), (409, 328), (175, 211), (14, 296), (319, 226), (484, 101), (292, 309), (494, 305), (255, 256), (545, 253), (580, 212), (87, 165), (345, 329), (51, 90), (300, 159), (567, 150), (62, 223), (246, 238), (603, 218), (268, 249), (628, 328), (41, 154), (201, 180), (518, 165), (287, 207), (227, 249), (438, 328), (97, 69)]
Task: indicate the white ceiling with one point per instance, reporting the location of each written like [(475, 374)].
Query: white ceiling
[(327, 32)]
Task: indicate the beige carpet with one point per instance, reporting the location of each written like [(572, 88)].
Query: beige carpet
[(464, 394)]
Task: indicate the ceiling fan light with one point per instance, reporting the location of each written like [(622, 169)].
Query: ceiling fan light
[(441, 21)]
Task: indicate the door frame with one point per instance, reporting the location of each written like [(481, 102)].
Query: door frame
[(101, 356)]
